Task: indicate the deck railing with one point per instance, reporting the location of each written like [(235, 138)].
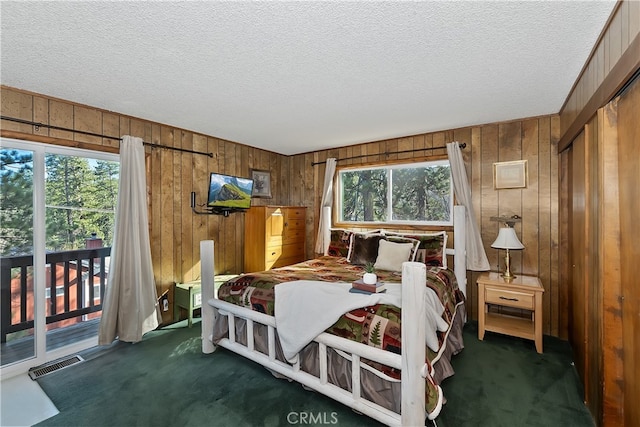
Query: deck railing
[(69, 298)]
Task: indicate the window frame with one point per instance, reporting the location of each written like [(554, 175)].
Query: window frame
[(424, 225)]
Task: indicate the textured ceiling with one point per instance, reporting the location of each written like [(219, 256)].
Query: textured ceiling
[(294, 77)]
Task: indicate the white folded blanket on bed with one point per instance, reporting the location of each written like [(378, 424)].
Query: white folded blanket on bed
[(305, 308)]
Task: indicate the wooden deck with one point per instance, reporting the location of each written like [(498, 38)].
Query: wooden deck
[(24, 348)]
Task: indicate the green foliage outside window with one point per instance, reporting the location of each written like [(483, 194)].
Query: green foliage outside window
[(16, 202), (406, 193), (80, 199)]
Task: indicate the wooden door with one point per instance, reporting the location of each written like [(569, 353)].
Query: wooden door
[(629, 191), (578, 280)]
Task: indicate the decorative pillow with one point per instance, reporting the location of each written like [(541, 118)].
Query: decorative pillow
[(400, 239), (340, 242), (364, 248), (431, 249), (391, 255)]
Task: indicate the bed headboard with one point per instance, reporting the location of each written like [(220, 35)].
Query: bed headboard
[(459, 243)]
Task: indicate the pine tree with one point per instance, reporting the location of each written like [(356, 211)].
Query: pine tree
[(16, 202), (80, 199)]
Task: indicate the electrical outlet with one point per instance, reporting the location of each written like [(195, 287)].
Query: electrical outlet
[(165, 304)]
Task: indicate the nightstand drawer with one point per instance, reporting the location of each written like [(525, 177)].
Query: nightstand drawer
[(509, 298)]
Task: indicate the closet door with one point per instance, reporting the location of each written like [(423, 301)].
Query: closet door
[(629, 191), (578, 281)]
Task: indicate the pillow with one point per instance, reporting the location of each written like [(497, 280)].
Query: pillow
[(431, 249), (364, 248), (391, 255), (340, 242), (400, 239)]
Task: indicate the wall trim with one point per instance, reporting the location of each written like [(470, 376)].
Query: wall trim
[(625, 68)]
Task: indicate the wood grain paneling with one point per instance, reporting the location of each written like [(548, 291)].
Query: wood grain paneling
[(629, 297), (534, 140), (175, 231), (609, 266), (604, 189), (578, 217), (613, 60)]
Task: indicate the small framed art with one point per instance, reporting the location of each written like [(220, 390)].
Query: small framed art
[(510, 174), (261, 183)]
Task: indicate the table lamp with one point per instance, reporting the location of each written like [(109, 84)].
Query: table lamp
[(507, 239)]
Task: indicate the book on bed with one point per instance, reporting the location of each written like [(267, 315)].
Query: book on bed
[(359, 285)]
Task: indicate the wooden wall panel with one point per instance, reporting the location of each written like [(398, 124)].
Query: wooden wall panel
[(175, 231), (593, 278), (543, 199), (556, 294), (185, 225), (534, 140), (200, 230), (20, 106), (616, 54), (578, 279), (173, 175), (609, 266)]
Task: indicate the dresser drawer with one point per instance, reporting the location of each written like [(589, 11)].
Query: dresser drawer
[(293, 235), (292, 214), (273, 254), (293, 250), (510, 298), (295, 224)]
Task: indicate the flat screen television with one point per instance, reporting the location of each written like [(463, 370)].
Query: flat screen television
[(229, 193)]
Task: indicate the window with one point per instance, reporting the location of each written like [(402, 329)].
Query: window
[(410, 193)]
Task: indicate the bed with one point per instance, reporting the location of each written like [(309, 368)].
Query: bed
[(355, 352)]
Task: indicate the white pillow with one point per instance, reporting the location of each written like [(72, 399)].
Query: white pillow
[(391, 255)]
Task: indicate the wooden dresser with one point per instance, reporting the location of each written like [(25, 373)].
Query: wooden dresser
[(274, 236)]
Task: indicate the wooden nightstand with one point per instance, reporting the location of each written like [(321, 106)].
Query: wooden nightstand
[(523, 292)]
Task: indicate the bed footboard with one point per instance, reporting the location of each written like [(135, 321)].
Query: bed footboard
[(411, 361)]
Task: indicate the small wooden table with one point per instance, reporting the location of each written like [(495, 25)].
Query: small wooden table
[(188, 296), (523, 292)]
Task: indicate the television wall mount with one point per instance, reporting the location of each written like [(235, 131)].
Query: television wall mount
[(208, 211)]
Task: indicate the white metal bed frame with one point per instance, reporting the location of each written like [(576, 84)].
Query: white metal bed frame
[(411, 360)]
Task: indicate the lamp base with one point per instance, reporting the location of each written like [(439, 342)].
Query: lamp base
[(507, 277), (507, 270)]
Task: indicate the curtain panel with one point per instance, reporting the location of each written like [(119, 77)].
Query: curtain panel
[(476, 255), (129, 310)]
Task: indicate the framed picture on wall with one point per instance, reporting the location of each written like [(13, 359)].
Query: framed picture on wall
[(261, 183), (510, 174)]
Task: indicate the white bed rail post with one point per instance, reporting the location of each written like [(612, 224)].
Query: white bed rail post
[(460, 246), (207, 268), (414, 277)]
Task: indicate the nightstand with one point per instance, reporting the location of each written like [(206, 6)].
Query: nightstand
[(523, 292), (188, 296)]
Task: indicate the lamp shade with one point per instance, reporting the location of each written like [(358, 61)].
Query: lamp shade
[(507, 239)]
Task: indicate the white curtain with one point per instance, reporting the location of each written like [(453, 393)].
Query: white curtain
[(327, 201), (476, 256), (129, 309)]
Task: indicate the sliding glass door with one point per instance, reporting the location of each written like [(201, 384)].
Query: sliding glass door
[(17, 275), (59, 205)]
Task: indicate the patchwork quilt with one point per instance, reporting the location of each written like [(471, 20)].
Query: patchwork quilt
[(377, 325)]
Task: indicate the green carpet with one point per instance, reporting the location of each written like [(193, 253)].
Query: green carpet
[(166, 381)]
